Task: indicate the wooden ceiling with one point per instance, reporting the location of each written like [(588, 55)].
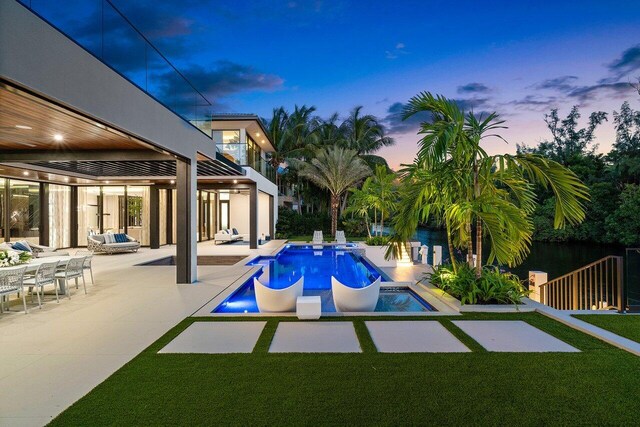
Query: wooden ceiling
[(45, 119)]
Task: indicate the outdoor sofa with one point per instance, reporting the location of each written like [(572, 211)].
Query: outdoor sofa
[(228, 235), (111, 243)]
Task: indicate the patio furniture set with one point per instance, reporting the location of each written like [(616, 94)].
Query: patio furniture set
[(54, 269)]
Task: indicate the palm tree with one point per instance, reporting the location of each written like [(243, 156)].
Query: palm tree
[(366, 135), (456, 180), (335, 169)]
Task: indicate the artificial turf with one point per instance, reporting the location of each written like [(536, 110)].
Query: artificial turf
[(627, 325), (597, 386)]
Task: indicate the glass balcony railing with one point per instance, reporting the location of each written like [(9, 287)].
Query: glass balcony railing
[(102, 30)]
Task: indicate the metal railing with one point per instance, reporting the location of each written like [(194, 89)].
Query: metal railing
[(106, 33), (596, 286)]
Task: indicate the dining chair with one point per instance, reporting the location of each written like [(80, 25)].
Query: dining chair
[(44, 275), (87, 262), (73, 270), (11, 279)]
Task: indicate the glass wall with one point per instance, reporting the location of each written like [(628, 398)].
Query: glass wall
[(228, 143), (24, 213), (88, 213), (3, 208), (113, 210), (59, 216), (138, 213)]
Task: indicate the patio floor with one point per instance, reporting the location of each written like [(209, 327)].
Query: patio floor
[(61, 352)]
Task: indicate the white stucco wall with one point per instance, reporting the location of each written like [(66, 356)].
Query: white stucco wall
[(239, 212)]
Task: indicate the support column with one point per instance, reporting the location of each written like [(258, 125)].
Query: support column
[(272, 223), (43, 227), (186, 250), (73, 221), (170, 216), (253, 216), (154, 217), (7, 211)]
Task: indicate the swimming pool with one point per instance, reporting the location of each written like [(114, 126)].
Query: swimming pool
[(317, 265)]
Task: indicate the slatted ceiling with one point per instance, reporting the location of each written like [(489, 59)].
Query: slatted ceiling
[(137, 168), (46, 119)]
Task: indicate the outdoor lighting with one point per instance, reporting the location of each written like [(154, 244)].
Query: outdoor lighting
[(106, 182), (25, 173), (235, 181), (66, 179), (24, 127), (58, 137), (257, 133), (172, 181), (262, 141)]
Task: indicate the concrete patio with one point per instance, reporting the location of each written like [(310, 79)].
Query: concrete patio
[(61, 352)]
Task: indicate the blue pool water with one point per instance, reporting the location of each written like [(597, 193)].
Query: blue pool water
[(317, 265)]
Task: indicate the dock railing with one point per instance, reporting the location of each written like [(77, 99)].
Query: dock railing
[(596, 286)]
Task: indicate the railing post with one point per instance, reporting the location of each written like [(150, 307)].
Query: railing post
[(620, 285), (574, 291)]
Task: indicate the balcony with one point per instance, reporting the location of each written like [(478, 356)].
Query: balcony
[(107, 34)]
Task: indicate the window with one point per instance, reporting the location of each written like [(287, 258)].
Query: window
[(228, 143), (24, 213), (59, 216)]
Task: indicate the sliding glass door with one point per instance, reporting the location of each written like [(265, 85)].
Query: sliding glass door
[(24, 211)]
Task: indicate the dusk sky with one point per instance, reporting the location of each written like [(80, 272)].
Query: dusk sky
[(519, 58)]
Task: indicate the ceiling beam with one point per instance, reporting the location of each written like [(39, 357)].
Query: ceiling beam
[(96, 155)]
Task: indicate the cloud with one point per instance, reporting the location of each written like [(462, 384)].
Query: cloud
[(477, 105), (397, 51), (222, 79), (533, 103), (562, 84), (619, 90), (628, 62), (473, 88), (394, 123)]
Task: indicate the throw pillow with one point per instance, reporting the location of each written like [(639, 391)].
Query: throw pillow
[(22, 245), (235, 232), (120, 238), (108, 238)]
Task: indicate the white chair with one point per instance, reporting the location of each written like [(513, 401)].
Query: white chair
[(277, 300), (340, 237), (73, 270), (88, 258), (11, 279), (317, 237), (348, 299), (45, 275)]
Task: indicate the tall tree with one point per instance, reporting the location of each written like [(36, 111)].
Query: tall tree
[(365, 134), (467, 186), (336, 169)]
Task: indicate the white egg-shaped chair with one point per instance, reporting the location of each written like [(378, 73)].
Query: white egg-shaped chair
[(277, 300), (348, 299)]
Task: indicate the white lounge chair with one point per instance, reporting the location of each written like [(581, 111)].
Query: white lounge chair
[(348, 299), (277, 300), (340, 237), (317, 237)]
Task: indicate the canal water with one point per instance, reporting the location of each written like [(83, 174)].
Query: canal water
[(554, 258)]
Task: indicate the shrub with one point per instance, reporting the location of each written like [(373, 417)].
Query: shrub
[(354, 227), (377, 240), (291, 223), (492, 287)]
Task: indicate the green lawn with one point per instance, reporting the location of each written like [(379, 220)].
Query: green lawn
[(598, 386), (627, 326)]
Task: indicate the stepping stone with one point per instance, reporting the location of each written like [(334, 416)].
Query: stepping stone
[(319, 337), (413, 337), (216, 338), (512, 336)]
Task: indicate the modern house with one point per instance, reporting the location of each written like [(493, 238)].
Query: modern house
[(99, 132)]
